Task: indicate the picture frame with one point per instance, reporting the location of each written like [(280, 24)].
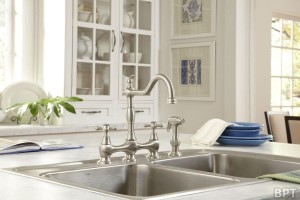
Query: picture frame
[(193, 71), (193, 18)]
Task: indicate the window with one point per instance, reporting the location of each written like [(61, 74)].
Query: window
[(17, 41), (285, 64), (5, 41)]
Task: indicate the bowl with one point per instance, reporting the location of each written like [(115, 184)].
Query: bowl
[(98, 91), (83, 91), (244, 126), (241, 133), (85, 16), (131, 57)]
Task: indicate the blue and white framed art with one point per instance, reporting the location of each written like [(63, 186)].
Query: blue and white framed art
[(193, 71), (193, 18)]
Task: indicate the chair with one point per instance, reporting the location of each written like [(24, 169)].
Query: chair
[(276, 125), (292, 124)]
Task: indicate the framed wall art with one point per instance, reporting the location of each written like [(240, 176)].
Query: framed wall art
[(193, 18), (193, 71)]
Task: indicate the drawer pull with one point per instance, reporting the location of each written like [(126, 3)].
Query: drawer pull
[(91, 112), (139, 111)]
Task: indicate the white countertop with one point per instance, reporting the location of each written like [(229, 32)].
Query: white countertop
[(15, 187)]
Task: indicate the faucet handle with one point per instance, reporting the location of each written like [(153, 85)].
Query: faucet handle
[(153, 125), (174, 121), (106, 128)]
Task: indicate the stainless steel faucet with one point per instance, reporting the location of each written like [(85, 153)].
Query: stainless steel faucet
[(174, 122), (131, 146)]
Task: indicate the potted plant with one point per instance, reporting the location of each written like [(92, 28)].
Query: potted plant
[(44, 109)]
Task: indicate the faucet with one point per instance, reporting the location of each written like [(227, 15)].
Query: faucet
[(174, 122), (131, 146)]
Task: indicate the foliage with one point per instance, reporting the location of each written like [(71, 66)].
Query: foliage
[(45, 107)]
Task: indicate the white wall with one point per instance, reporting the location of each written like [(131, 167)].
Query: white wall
[(232, 68)]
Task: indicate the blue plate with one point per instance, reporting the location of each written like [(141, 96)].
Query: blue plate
[(235, 142), (241, 133), (244, 126), (259, 137)]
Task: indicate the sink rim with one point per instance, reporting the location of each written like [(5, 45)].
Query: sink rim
[(39, 171)]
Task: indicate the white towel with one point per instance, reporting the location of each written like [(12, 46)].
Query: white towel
[(210, 132)]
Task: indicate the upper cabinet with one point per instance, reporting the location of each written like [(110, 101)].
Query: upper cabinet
[(111, 41)]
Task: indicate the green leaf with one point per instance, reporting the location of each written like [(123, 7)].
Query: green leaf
[(73, 99), (33, 108), (68, 107)]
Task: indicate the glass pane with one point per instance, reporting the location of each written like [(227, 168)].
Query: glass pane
[(103, 39), (276, 31), (275, 92), (296, 43), (3, 42), (287, 33), (128, 71), (288, 109), (296, 63), (102, 80), (103, 12), (85, 43), (145, 15), (84, 79), (296, 111), (296, 92), (287, 59), (143, 77), (286, 92), (276, 109), (145, 48), (129, 13), (85, 10), (276, 62), (129, 48)]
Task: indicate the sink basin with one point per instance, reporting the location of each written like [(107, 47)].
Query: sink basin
[(138, 179), (195, 171), (234, 164)]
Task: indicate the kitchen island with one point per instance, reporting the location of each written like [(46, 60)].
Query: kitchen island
[(16, 187)]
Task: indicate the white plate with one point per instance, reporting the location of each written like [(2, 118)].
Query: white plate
[(21, 92)]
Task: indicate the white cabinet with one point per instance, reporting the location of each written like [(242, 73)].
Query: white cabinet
[(111, 41)]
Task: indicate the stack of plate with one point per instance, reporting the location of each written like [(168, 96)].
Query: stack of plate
[(243, 134)]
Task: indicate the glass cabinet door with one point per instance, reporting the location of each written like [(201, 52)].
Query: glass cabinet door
[(94, 42), (137, 42)]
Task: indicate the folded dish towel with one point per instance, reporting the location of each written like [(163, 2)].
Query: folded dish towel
[(292, 176), (210, 132)]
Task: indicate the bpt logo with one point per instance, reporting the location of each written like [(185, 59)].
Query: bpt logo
[(284, 192)]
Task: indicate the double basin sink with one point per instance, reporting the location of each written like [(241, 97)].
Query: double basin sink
[(195, 171)]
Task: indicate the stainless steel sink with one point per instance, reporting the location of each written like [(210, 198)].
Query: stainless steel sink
[(196, 171), (139, 179), (236, 164)]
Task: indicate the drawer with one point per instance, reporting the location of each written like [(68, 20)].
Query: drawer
[(89, 116), (143, 113)]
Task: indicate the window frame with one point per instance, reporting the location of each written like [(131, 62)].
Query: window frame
[(292, 78)]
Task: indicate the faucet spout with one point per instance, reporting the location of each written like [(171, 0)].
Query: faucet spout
[(129, 91)]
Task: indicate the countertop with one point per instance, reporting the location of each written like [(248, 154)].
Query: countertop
[(15, 187)]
